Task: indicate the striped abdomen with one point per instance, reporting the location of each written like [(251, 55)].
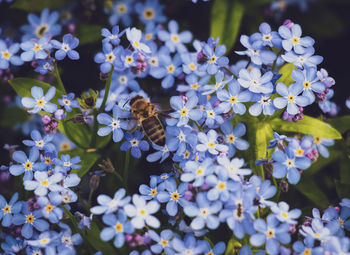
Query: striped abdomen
[(154, 130)]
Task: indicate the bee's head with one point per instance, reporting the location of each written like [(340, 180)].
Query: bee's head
[(134, 99)]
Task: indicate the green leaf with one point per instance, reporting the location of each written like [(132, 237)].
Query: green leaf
[(23, 87), (307, 125), (286, 71), (38, 5), (313, 192), (232, 245), (89, 33), (226, 17), (12, 116), (93, 236), (342, 124), (88, 159)]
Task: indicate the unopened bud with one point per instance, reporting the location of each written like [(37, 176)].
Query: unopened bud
[(288, 23), (107, 166), (281, 145), (284, 186), (94, 182), (46, 119)]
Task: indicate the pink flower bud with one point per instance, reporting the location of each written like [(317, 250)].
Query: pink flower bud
[(46, 119)]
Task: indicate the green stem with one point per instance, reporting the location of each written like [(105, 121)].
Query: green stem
[(229, 71), (94, 130), (83, 203), (126, 169), (120, 178), (58, 78), (90, 197)]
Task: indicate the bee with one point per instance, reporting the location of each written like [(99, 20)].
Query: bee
[(147, 115)]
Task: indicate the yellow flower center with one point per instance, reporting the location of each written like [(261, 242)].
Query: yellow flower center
[(30, 218), (291, 98), (299, 152), (121, 8), (210, 253), (295, 40), (171, 69), (317, 235), (48, 161), (49, 208), (65, 47), (199, 171), (195, 86), (118, 227), (306, 84), (129, 59), (45, 183), (307, 251), (192, 66), (289, 163), (221, 185), (6, 54), (164, 242), (212, 59), (45, 241), (148, 37), (175, 38), (148, 13), (66, 199), (28, 165), (211, 114), (231, 138), (136, 44), (40, 32), (341, 222), (270, 233), (186, 154), (267, 38), (317, 139), (184, 112), (204, 211), (40, 102), (39, 143), (64, 146), (142, 212), (66, 240), (211, 145), (37, 47), (7, 209), (233, 100), (175, 196), (110, 57), (284, 215), (153, 192)]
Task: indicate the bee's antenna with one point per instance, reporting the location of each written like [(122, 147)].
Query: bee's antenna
[(126, 102)]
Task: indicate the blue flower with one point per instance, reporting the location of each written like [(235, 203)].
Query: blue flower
[(43, 183), (180, 137), (44, 65), (263, 104), (277, 137), (48, 240), (218, 249), (238, 211), (310, 82), (35, 49), (109, 58), (150, 12), (301, 148), (290, 98), (204, 212), (128, 58), (30, 219), (221, 186), (232, 137), (208, 142), (113, 124), (287, 164), (66, 47), (255, 51), (234, 167), (68, 240), (135, 143), (39, 142), (40, 101), (188, 246), (173, 196), (26, 164), (9, 210), (282, 214), (194, 83), (190, 64), (43, 26), (317, 230), (134, 36), (233, 98), (304, 60), (270, 233), (264, 192), (184, 111), (7, 55), (112, 37), (68, 102), (141, 212), (307, 247), (196, 172), (219, 83), (162, 242), (321, 144), (215, 58), (50, 207), (174, 40), (161, 154), (121, 10), (109, 205), (168, 69), (66, 163), (118, 226), (293, 40), (212, 115), (255, 82), (12, 245), (267, 37), (338, 245), (151, 191)]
